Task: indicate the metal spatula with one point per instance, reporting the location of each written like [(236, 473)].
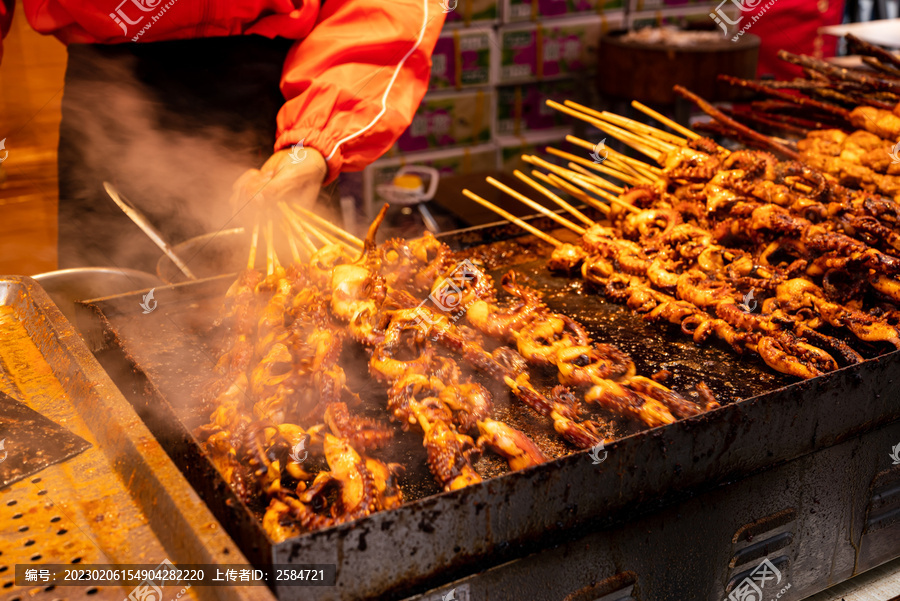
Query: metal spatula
[(29, 442), (141, 221)]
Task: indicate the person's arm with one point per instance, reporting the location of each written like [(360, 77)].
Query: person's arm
[(7, 7), (354, 83)]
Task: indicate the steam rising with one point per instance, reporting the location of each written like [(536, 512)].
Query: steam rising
[(177, 172)]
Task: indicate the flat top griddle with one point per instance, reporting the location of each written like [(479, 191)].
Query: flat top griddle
[(177, 346), (164, 357)]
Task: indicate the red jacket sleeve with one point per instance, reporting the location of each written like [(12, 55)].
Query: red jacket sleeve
[(6, 14), (354, 83)]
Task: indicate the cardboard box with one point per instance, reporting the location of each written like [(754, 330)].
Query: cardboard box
[(464, 58), (449, 119), (468, 13), (523, 107), (516, 11), (455, 161), (552, 49)]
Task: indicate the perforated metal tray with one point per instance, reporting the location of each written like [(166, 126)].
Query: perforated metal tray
[(120, 502)]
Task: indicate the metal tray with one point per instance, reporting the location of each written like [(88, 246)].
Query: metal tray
[(435, 540), (122, 501)]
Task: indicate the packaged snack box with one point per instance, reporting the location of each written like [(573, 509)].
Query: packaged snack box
[(523, 107), (449, 119), (466, 13), (552, 49), (516, 11), (464, 58)]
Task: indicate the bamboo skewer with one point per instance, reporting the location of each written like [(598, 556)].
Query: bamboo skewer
[(628, 179), (636, 127), (292, 220), (512, 218), (684, 131), (323, 237), (724, 119), (617, 163), (571, 190), (639, 136), (271, 257), (620, 134), (579, 193), (591, 184), (647, 170), (593, 177), (537, 207), (586, 184), (330, 227), (292, 243), (254, 241), (564, 173), (562, 203), (305, 239), (635, 141), (643, 129)]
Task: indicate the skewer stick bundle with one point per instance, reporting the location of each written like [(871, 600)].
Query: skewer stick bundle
[(626, 137), (585, 183), (562, 203), (323, 237), (565, 173), (295, 224), (636, 127), (633, 162), (571, 190), (271, 257), (254, 242), (330, 227), (512, 218), (537, 207), (684, 131), (601, 168)]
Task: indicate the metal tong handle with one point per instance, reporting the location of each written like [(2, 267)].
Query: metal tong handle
[(141, 221)]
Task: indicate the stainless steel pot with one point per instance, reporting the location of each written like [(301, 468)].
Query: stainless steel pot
[(68, 286)]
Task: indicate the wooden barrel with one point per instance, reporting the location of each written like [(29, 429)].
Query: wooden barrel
[(646, 72)]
